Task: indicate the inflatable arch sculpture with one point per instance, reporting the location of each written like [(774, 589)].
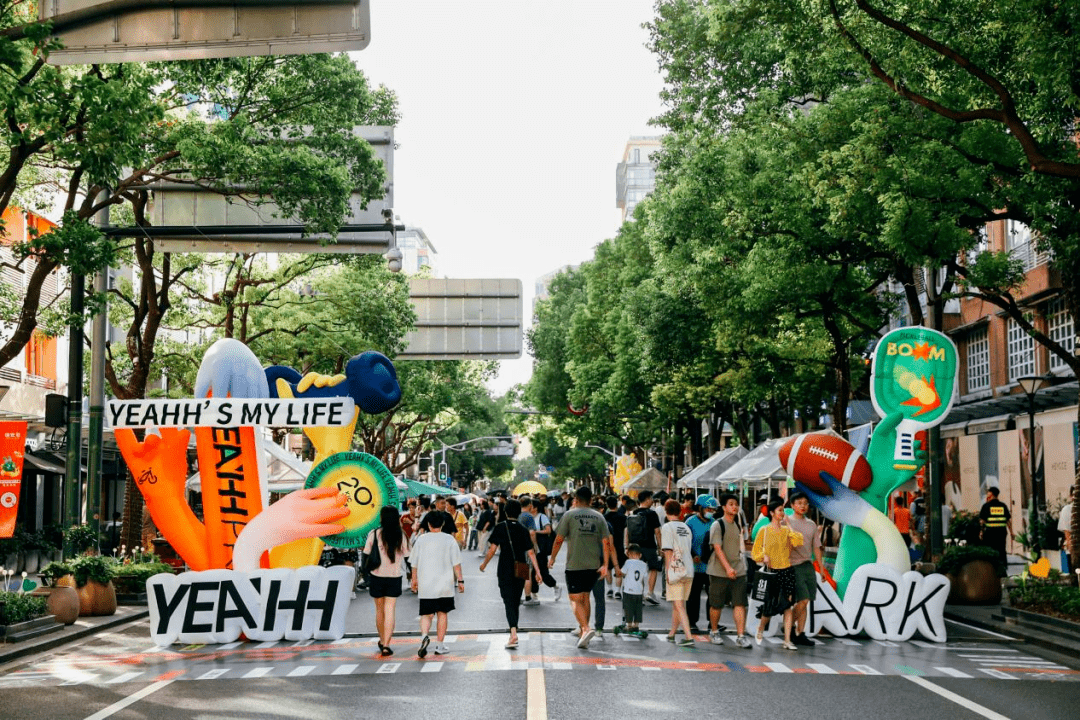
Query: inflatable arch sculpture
[(254, 563)]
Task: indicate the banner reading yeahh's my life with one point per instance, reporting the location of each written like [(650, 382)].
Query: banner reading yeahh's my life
[(231, 412)]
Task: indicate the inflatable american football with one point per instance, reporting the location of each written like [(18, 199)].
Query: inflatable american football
[(806, 456)]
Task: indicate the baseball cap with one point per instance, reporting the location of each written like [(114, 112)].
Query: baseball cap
[(706, 501)]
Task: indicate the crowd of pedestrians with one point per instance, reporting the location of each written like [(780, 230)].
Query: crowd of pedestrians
[(618, 548)]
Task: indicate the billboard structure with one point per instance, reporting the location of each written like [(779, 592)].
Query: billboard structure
[(107, 31)]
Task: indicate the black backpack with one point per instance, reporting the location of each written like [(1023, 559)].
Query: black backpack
[(637, 527), (706, 546)]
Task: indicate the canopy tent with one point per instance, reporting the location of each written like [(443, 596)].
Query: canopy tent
[(705, 475), (647, 479), (758, 464), (284, 471), (416, 489)]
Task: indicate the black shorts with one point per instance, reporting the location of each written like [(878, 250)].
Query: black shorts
[(384, 586), (620, 555), (430, 606), (581, 581), (652, 558)]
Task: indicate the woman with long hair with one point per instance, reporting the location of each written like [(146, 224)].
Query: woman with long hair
[(515, 546), (385, 582), (772, 547)]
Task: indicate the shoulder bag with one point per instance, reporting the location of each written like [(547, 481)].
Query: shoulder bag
[(373, 559), (521, 569)]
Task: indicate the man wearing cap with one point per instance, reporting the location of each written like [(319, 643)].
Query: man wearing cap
[(699, 522)]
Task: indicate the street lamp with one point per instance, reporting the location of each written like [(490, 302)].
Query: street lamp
[(614, 458), (1031, 385), (457, 446)]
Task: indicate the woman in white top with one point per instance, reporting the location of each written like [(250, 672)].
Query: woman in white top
[(385, 581)]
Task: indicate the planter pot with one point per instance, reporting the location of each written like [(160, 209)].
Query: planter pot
[(29, 629), (63, 602), (31, 561), (976, 583), (96, 598)]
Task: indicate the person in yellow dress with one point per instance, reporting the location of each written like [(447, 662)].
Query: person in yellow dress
[(772, 547), (461, 523)]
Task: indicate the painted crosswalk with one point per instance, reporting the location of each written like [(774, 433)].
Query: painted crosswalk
[(556, 652)]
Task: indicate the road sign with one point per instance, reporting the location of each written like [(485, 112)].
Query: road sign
[(107, 31), (503, 449), (465, 319), (187, 219)]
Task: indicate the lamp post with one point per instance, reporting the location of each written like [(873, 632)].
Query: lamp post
[(614, 458), (1031, 385), (438, 468)]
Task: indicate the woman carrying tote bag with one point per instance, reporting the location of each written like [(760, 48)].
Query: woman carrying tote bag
[(772, 547), (516, 554)]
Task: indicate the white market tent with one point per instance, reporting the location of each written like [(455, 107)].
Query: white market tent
[(648, 479), (707, 473)]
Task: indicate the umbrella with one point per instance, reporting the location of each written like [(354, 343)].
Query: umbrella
[(529, 487)]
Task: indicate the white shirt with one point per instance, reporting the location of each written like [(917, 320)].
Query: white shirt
[(1065, 519), (635, 572), (676, 534), (434, 556)]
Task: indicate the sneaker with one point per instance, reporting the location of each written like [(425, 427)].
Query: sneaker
[(583, 643), (558, 593), (686, 642), (695, 630), (599, 636), (742, 641), (651, 599), (671, 638), (618, 595), (760, 635), (353, 595), (531, 600), (422, 650), (721, 628), (716, 638), (611, 594), (801, 639), (441, 649), (618, 629), (639, 634), (576, 632)]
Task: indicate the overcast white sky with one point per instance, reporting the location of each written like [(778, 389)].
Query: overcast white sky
[(514, 117)]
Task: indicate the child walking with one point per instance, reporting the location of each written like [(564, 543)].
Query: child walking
[(633, 574)]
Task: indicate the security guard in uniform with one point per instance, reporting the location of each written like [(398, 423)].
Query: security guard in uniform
[(996, 521)]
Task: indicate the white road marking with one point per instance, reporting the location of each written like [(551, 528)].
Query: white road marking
[(958, 699), (864, 669), (649, 667), (562, 666), (845, 641), (267, 644), (997, 674), (988, 632), (388, 668), (821, 668), (258, 672), (133, 698), (230, 646), (953, 672), (126, 677), (431, 667), (213, 674), (345, 669), (778, 667), (886, 643), (300, 671)]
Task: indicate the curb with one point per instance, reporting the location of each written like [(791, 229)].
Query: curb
[(1000, 624), (20, 650)]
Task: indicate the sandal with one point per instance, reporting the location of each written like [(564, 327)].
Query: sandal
[(385, 650), (512, 644)]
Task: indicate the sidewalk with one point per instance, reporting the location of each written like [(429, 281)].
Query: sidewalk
[(81, 628)]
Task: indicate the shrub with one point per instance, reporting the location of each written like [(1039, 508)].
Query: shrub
[(55, 570), (956, 556), (140, 572), (92, 567), (964, 525), (1044, 597), (81, 538), (18, 607)]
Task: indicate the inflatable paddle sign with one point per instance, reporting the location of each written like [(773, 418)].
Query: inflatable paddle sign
[(367, 485), (914, 373)]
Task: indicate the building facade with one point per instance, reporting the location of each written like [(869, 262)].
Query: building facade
[(635, 176)]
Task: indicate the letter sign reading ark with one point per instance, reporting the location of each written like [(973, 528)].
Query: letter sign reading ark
[(108, 31), (230, 412)]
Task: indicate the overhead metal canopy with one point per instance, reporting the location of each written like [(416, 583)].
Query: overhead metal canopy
[(106, 31)]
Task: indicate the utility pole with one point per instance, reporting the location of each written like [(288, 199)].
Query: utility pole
[(73, 478), (95, 436)]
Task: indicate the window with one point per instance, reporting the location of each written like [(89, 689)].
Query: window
[(978, 361), (1060, 325), (1021, 352), (1019, 243)]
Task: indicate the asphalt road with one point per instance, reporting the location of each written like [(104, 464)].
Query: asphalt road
[(120, 674)]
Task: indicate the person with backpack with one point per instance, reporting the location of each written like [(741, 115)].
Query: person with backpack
[(617, 522), (515, 549), (544, 536), (699, 521), (727, 572), (679, 569), (643, 529)]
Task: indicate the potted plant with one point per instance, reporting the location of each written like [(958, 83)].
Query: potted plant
[(93, 582), (20, 612), (130, 578), (81, 538), (58, 585), (974, 572)]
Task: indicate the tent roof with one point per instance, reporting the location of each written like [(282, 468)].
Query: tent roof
[(285, 471), (706, 474), (648, 479), (761, 463), (418, 488)]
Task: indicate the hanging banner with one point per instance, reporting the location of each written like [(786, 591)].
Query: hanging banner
[(12, 445)]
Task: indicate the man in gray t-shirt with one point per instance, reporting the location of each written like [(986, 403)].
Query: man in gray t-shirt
[(727, 572), (588, 558)]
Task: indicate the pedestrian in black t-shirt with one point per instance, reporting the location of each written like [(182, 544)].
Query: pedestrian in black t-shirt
[(996, 521), (617, 522), (448, 524), (515, 545)]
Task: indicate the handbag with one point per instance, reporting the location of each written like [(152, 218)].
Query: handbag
[(373, 559), (677, 568), (766, 583), (521, 569)]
